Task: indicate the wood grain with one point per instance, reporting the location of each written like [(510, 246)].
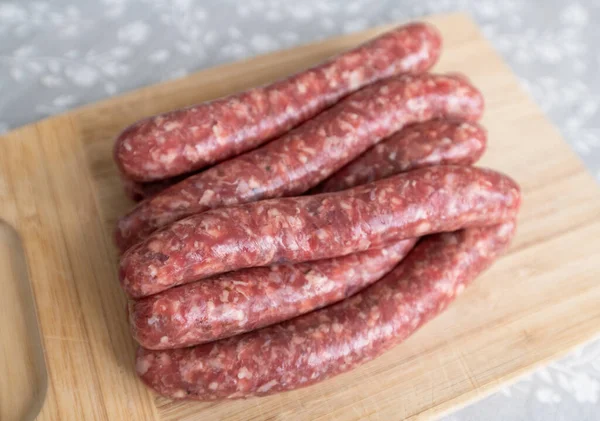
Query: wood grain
[(21, 357), (60, 190)]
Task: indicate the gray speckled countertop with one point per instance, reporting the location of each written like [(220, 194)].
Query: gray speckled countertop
[(56, 55)]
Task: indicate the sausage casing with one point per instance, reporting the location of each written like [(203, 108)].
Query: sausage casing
[(335, 339), (296, 229), (189, 139), (307, 155)]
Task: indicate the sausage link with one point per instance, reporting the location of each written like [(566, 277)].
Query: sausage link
[(249, 299), (257, 297), (307, 155), (419, 145), (296, 229), (246, 300), (191, 138), (330, 341)]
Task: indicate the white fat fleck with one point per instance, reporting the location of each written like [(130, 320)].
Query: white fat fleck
[(152, 321), (171, 125), (444, 287), (356, 79), (454, 103), (415, 105), (435, 155), (207, 197), (127, 146), (294, 222), (199, 148), (313, 359), (331, 143), (238, 315), (420, 308), (152, 271), (273, 213), (168, 157), (142, 366), (164, 340), (213, 386), (453, 208), (322, 234), (179, 393), (450, 179), (423, 228), (505, 230), (253, 183), (345, 205), (195, 313), (217, 131), (337, 327), (267, 386), (244, 373), (225, 296), (420, 214), (392, 155), (316, 279), (151, 166), (301, 88), (414, 59), (190, 152)]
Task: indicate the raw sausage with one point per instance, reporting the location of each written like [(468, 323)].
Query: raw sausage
[(419, 145), (330, 341), (249, 299), (296, 229), (309, 154), (191, 138)]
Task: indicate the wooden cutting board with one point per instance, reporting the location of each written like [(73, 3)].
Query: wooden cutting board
[(59, 189)]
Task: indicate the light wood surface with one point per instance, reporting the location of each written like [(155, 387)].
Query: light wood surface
[(59, 189), (21, 360)]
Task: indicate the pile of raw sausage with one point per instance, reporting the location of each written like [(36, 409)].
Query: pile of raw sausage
[(293, 231)]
